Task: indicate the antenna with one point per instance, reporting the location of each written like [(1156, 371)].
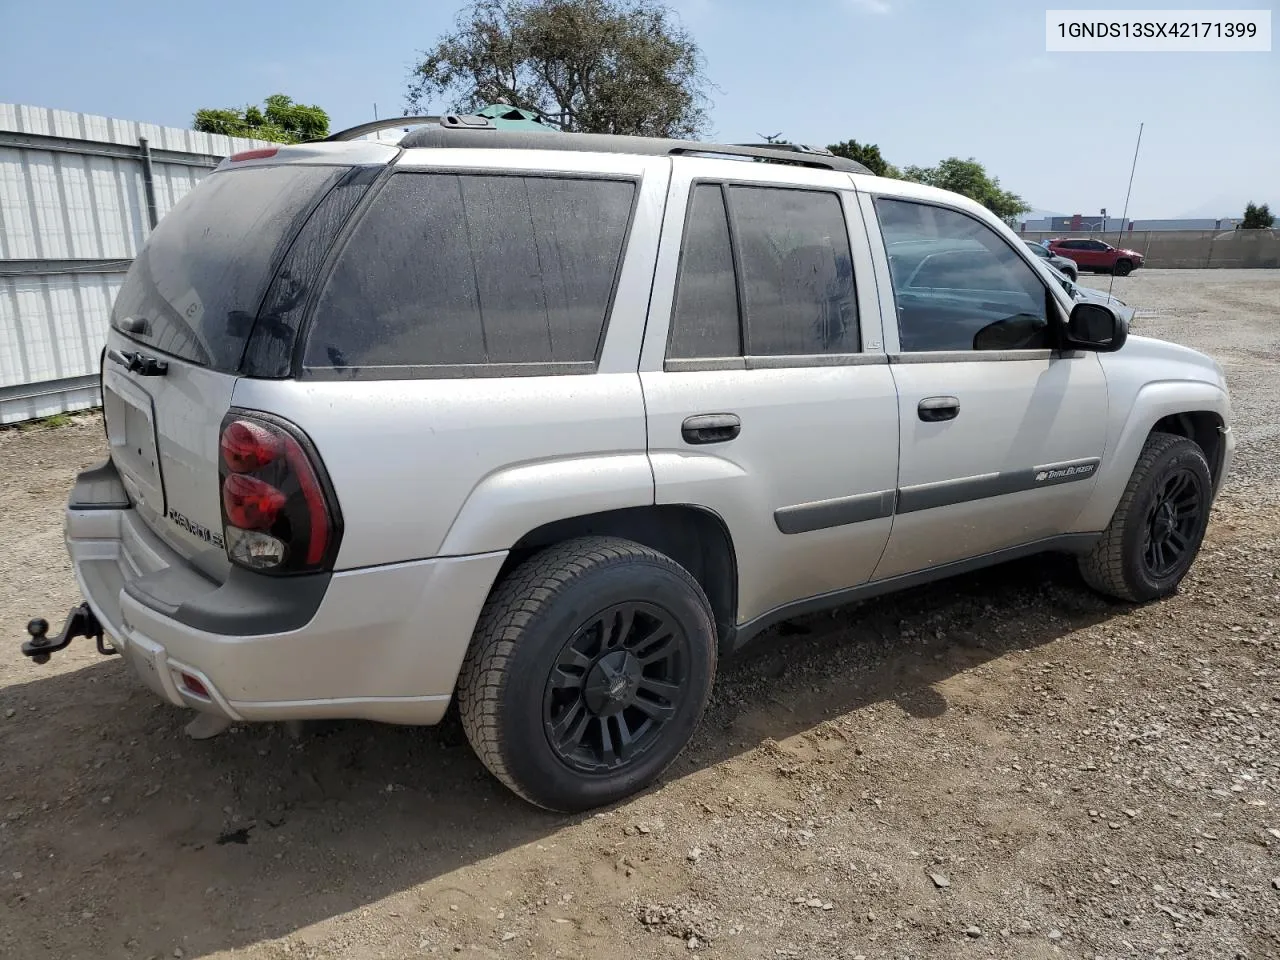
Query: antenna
[(1124, 217)]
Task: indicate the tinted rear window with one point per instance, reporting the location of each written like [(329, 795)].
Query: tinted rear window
[(197, 284), (453, 273)]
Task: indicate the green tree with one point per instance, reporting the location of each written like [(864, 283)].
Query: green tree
[(970, 178), (867, 154), (594, 66), (280, 120), (1257, 218)]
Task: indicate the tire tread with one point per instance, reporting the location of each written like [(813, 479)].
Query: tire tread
[(507, 613), (1103, 566)]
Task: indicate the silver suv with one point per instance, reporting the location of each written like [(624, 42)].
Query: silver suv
[(547, 424)]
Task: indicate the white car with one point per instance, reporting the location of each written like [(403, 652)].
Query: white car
[(548, 423)]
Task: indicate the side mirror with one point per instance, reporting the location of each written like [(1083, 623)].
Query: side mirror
[(1094, 326)]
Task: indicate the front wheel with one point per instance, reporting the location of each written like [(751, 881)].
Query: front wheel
[(590, 667), (1156, 531), (1123, 268)]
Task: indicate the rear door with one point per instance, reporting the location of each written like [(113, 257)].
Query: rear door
[(179, 330), (768, 395), (1086, 253)]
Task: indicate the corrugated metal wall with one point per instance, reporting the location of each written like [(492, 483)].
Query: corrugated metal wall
[(73, 214)]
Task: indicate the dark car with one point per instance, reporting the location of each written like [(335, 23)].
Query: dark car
[(1097, 256), (1062, 263)]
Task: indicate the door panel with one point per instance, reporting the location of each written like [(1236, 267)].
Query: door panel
[(816, 456), (807, 480), (1015, 465), (1000, 434)]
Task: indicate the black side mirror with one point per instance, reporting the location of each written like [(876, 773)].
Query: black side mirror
[(1093, 326)]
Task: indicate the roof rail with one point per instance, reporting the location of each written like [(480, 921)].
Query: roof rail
[(795, 147), (373, 126), (439, 136), (496, 117)]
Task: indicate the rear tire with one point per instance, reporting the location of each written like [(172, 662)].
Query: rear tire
[(590, 650), (1123, 268), (1158, 527)]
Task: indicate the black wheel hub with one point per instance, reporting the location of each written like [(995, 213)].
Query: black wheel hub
[(614, 686), (1171, 523), (612, 683)]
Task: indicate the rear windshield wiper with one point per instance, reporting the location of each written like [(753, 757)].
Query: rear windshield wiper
[(135, 362)]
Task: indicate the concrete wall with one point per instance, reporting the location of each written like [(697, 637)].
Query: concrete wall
[(1195, 248)]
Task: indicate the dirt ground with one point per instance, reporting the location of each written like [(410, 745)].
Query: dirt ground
[(1003, 765)]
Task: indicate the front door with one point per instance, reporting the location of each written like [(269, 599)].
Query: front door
[(1001, 435), (768, 393)]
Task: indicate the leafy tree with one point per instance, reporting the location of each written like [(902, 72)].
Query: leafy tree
[(281, 120), (594, 66), (1257, 218), (970, 178), (867, 154)]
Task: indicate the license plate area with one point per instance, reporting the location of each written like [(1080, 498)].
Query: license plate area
[(131, 434)]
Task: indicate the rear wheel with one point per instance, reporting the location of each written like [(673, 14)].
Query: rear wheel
[(1123, 268), (1156, 531), (589, 669)]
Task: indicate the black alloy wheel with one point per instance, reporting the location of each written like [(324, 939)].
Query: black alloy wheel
[(591, 664), (1172, 522), (614, 686), (1157, 528)]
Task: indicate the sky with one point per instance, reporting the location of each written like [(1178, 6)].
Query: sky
[(924, 79)]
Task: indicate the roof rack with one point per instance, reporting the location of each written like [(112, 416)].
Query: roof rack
[(469, 135), (497, 117), (373, 126)]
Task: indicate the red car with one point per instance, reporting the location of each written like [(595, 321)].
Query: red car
[(1098, 256)]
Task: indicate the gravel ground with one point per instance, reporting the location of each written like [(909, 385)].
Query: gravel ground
[(1003, 765)]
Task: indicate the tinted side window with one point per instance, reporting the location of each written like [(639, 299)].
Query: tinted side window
[(448, 270), (1095, 245), (705, 321), (797, 272), (1038, 251), (1068, 244), (957, 284)]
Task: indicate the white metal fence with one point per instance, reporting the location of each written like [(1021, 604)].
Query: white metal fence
[(78, 196)]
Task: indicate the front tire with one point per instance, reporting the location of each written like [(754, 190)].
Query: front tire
[(591, 664), (1157, 529), (1123, 268)]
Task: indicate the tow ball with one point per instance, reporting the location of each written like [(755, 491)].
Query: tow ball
[(80, 623)]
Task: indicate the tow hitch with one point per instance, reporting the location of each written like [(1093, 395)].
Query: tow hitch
[(80, 623)]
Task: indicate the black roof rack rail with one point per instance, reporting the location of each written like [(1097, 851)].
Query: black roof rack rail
[(373, 126), (462, 137), (794, 147)]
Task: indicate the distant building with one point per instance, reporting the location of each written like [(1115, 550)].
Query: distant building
[(1084, 224)]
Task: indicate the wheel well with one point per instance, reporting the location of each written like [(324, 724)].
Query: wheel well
[(693, 537), (1203, 428)]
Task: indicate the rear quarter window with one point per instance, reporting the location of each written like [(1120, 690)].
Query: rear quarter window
[(194, 290), (468, 274)]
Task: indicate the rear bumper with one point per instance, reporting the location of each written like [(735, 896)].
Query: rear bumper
[(384, 643)]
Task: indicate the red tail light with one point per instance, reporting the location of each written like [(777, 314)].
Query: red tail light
[(278, 511), (249, 446), (260, 154), (250, 503)]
